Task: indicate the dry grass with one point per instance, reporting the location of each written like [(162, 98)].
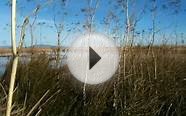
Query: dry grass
[(154, 84), (36, 50)]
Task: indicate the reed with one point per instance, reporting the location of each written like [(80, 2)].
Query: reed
[(154, 84)]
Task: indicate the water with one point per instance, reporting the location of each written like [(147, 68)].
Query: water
[(5, 60), (3, 63)]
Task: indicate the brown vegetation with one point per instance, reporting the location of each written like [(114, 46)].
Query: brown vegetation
[(154, 84), (8, 51)]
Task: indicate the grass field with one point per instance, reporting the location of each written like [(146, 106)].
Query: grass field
[(148, 82)]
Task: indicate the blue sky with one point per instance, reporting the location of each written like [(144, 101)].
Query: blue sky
[(166, 20)]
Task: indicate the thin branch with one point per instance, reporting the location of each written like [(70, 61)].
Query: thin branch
[(3, 89), (37, 104), (22, 37)]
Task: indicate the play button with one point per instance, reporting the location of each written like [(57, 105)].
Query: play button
[(93, 58)]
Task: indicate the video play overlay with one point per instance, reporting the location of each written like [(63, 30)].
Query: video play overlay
[(93, 58)]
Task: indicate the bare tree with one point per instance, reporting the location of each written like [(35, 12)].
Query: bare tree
[(90, 14), (59, 28), (59, 25), (153, 11), (131, 17)]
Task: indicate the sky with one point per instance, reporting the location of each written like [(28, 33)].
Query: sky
[(71, 16)]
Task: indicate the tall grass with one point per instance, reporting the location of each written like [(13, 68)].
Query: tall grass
[(154, 84)]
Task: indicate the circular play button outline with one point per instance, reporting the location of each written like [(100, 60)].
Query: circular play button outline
[(93, 58)]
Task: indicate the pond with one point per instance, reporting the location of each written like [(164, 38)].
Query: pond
[(3, 63), (5, 60)]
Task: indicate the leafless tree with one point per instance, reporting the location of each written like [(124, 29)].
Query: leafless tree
[(90, 14), (58, 19)]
